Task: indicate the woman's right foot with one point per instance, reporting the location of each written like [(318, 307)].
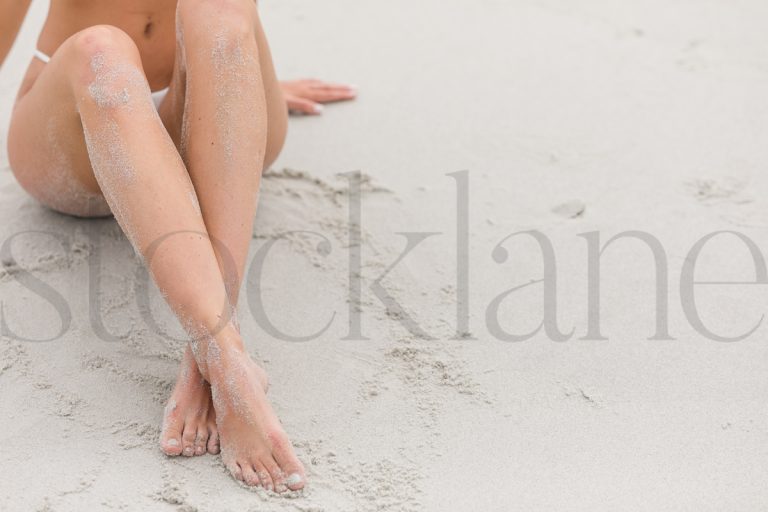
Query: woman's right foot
[(254, 446), (189, 419)]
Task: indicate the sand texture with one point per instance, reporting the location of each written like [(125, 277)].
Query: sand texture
[(570, 117)]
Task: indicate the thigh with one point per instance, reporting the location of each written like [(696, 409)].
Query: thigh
[(172, 108), (46, 145)]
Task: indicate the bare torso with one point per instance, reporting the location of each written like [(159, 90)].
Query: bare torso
[(150, 23)]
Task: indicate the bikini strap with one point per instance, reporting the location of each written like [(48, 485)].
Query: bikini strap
[(41, 56)]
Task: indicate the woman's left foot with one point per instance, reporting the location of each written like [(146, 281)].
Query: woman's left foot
[(189, 420), (255, 448)]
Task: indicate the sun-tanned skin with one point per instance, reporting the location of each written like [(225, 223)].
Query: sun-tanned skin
[(182, 182)]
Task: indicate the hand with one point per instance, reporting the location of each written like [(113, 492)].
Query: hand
[(306, 96)]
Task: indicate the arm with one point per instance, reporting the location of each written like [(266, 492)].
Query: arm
[(12, 14)]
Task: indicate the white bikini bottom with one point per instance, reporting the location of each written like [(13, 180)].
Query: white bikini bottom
[(157, 96)]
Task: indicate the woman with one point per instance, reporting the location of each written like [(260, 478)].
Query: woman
[(164, 114)]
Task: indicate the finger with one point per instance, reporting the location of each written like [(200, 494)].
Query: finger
[(328, 86), (331, 96), (304, 106)]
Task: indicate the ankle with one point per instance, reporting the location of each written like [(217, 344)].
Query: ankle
[(213, 351), (232, 356)]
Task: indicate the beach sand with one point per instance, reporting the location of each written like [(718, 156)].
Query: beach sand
[(569, 118)]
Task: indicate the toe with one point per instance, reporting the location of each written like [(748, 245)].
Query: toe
[(213, 441), (201, 441), (276, 474), (170, 438), (236, 472), (264, 478), (188, 440), (171, 445), (249, 475), (286, 459), (295, 481)]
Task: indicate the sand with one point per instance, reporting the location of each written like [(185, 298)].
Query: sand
[(570, 118)]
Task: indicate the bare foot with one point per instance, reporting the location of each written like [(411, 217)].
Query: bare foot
[(254, 447), (189, 420)]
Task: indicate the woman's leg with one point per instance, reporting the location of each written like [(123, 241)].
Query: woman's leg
[(148, 189), (47, 146), (220, 126), (226, 112), (228, 116)]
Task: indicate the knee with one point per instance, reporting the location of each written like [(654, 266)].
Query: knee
[(217, 21), (106, 61), (101, 40)]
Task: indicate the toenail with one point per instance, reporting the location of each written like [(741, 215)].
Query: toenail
[(293, 479), (172, 442)]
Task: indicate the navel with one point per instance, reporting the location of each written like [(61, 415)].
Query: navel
[(148, 28)]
